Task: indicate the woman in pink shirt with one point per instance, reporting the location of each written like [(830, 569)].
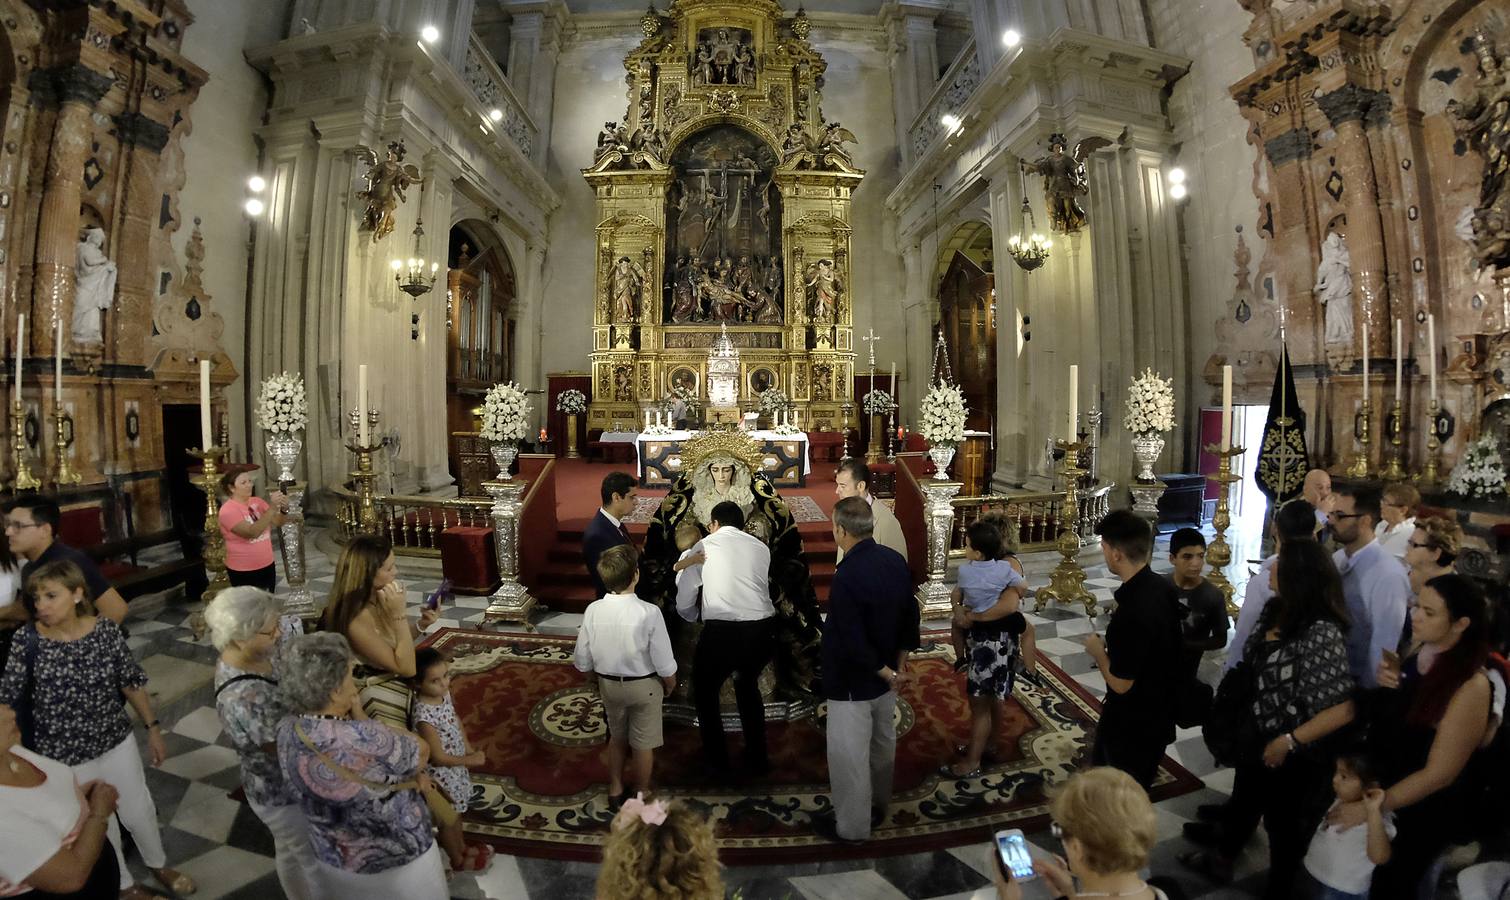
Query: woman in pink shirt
[(246, 522)]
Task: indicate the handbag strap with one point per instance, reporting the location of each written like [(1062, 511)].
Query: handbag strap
[(412, 784), (246, 676)]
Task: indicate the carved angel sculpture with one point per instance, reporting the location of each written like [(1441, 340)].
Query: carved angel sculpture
[(835, 136), (1065, 181), (823, 288), (386, 183)]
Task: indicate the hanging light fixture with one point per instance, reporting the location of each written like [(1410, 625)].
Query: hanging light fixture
[(410, 274), (1028, 248)]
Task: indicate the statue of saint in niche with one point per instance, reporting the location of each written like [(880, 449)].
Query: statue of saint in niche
[(724, 56), (723, 231), (94, 287), (823, 288), (628, 285)]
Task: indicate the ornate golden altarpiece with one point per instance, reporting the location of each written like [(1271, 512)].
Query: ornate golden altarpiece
[(723, 199)]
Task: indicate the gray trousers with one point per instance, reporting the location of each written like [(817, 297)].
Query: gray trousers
[(862, 751)]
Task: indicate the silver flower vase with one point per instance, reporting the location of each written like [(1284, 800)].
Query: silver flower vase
[(1147, 446), (941, 455), (284, 448), (504, 454)]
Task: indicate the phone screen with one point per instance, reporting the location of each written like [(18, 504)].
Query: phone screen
[(1012, 849)]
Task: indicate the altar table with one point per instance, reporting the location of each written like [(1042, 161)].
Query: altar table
[(659, 460)]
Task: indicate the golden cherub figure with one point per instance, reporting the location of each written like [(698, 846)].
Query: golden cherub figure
[(386, 182)]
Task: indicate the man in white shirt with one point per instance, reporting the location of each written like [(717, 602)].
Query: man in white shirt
[(623, 642), (1374, 584), (739, 635), (853, 480)]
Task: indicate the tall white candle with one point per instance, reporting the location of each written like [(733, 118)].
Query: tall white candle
[(20, 351), (1430, 351), (206, 440), (1074, 402), (1367, 326), (1226, 408), (57, 361), (1399, 360), (894, 390), (362, 405)]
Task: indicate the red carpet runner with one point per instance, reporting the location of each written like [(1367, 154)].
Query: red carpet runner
[(544, 787)]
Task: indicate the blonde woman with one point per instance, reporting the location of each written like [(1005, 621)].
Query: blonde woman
[(367, 607), (1435, 543), (659, 851), (1106, 825)]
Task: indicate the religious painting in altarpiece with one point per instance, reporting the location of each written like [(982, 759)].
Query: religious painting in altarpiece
[(723, 201)]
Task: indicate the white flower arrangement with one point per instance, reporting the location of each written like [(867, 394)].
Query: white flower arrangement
[(686, 395), (572, 402), (1150, 404), (659, 428), (942, 415), (877, 403), (1481, 472), (280, 404), (505, 414), (773, 400)]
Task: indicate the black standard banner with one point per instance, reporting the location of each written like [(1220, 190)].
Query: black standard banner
[(1282, 458)]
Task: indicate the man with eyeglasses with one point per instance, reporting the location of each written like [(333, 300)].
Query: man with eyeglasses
[(1374, 583), (31, 525)]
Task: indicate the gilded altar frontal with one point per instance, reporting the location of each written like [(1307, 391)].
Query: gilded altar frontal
[(723, 207)]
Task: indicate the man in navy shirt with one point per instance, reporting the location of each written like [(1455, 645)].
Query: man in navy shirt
[(606, 528), (31, 526), (872, 625)]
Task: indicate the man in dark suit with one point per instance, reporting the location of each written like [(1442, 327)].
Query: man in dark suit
[(606, 528)]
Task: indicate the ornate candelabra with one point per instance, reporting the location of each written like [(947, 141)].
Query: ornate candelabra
[(62, 472), (24, 480), (1359, 468), (1067, 581), (933, 594), (365, 477), (1439, 430), (1218, 553), (1395, 427), (512, 601), (873, 452), (208, 481)]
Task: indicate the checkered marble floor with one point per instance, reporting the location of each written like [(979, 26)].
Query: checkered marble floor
[(223, 845)]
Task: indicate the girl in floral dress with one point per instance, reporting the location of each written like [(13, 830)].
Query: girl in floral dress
[(450, 755)]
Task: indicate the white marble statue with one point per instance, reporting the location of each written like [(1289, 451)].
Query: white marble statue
[(1334, 288), (94, 287)]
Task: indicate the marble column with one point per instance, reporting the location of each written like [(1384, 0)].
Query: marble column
[(529, 368), (912, 57), (1347, 108), (78, 89), (534, 47), (129, 327)]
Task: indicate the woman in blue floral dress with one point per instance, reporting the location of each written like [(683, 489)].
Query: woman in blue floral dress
[(356, 780)]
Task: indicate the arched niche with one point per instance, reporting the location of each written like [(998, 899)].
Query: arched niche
[(481, 295), (967, 315)]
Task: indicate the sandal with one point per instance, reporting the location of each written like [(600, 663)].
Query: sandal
[(175, 881), (947, 770), (988, 758), (960, 664), (1208, 865), (477, 858)]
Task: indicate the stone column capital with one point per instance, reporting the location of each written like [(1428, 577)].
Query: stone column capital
[(1351, 103), (1288, 147), (72, 83), (142, 131)]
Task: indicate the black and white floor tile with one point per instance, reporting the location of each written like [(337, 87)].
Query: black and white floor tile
[(221, 843)]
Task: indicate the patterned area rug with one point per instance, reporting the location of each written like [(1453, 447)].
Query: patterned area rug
[(543, 791), (804, 509)]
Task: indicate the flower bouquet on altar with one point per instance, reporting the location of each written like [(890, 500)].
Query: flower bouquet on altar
[(877, 403), (283, 413), (774, 400), (505, 422), (941, 422), (1150, 413), (686, 395), (1480, 473), (572, 402)]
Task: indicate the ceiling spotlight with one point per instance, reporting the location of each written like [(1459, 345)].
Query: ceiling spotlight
[(1176, 175), (950, 122), (1011, 37), (253, 206), (430, 33), (1177, 191), (256, 184), (495, 114)]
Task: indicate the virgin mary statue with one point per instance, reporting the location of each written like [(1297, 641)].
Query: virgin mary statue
[(720, 466)]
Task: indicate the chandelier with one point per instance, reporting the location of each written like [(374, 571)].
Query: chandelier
[(412, 278), (1028, 247)]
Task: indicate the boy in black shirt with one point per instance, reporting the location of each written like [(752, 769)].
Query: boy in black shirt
[(1140, 656), (1203, 609)]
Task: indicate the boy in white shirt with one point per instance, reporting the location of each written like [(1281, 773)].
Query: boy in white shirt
[(623, 644), (1343, 860)]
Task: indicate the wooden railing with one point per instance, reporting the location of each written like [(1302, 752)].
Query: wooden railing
[(1035, 515)]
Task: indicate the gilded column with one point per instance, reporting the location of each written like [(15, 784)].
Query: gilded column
[(1347, 108), (78, 89)]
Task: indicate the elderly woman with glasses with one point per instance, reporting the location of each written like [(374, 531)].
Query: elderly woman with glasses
[(1397, 518), (247, 630), (357, 780), (1435, 542), (1106, 825)]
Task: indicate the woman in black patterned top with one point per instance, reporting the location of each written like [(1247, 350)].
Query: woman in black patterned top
[(1304, 695), (76, 667)]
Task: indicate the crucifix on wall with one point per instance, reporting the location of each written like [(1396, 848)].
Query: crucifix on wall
[(870, 338), (720, 208)]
